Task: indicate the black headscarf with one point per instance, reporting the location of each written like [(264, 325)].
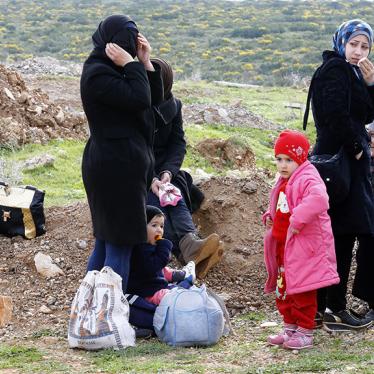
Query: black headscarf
[(117, 29), (166, 74)]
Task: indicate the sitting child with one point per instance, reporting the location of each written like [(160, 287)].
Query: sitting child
[(149, 276)]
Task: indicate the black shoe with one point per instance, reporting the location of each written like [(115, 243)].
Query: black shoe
[(318, 319), (141, 333), (369, 316), (343, 320)]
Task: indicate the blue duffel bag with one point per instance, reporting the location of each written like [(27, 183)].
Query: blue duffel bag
[(190, 317)]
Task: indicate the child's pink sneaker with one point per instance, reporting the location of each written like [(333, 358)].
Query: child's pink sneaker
[(299, 340), (282, 337)]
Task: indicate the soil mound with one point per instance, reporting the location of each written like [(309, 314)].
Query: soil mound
[(28, 116), (232, 152)]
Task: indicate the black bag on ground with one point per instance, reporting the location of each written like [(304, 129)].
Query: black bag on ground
[(21, 211), (335, 169), (336, 173)]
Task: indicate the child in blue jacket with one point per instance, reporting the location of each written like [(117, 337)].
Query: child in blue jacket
[(149, 275)]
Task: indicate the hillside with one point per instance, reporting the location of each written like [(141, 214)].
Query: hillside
[(268, 42)]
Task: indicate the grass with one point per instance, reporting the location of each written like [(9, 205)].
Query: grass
[(244, 352), (28, 360), (62, 181)]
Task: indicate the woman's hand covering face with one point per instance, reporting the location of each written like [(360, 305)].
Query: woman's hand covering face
[(117, 54), (367, 70)]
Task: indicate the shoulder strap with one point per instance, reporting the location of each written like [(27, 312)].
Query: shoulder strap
[(310, 91)]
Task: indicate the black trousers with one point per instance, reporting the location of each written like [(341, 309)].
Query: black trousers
[(334, 297)]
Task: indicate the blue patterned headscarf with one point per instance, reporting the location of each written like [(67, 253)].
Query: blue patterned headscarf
[(348, 30)]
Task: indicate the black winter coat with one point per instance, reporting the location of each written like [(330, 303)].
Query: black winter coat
[(170, 149), (342, 123), (117, 164), (147, 261)]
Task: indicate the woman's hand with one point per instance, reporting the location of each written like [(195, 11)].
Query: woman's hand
[(165, 177), (367, 70), (268, 223), (117, 54), (144, 52), (294, 231), (155, 186)]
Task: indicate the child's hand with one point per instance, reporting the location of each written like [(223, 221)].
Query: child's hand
[(294, 231), (117, 54), (269, 223)]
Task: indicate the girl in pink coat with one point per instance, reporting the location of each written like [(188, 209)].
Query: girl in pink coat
[(298, 245)]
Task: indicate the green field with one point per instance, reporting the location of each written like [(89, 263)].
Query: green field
[(268, 42)]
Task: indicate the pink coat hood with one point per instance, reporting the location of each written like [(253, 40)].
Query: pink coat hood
[(309, 258)]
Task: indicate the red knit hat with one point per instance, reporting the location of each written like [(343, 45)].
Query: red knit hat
[(293, 144)]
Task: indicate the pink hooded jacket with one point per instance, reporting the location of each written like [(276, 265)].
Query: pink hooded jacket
[(309, 257)]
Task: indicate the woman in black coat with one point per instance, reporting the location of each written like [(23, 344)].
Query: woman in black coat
[(117, 95), (169, 152), (343, 102)]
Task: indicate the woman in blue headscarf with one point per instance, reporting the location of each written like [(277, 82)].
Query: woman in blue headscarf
[(343, 102), (118, 93)]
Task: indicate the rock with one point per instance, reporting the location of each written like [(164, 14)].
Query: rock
[(51, 300), (224, 296), (269, 324), (6, 310), (45, 267), (234, 173), (249, 188), (200, 175), (61, 153), (38, 161), (45, 310), (60, 117), (9, 94), (81, 244), (223, 113), (38, 110), (25, 98)]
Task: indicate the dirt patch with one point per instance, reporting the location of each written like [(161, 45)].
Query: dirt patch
[(64, 92), (232, 152), (28, 116), (232, 115)]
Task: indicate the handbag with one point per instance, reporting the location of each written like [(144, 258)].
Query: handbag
[(99, 315), (21, 211), (335, 171)]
